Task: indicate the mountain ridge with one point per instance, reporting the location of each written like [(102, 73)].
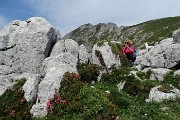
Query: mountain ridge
[(151, 31)]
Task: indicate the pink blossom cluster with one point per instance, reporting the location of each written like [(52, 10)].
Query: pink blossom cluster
[(12, 113), (54, 100), (70, 76)]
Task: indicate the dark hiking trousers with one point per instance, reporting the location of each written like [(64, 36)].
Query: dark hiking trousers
[(130, 57)]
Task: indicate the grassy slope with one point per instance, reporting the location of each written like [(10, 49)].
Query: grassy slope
[(152, 31)]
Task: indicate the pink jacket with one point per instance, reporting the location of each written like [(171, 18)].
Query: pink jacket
[(127, 50)]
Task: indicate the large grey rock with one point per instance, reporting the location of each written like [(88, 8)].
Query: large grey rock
[(139, 59), (23, 47), (84, 56), (159, 73), (141, 52), (67, 45), (158, 96), (177, 72), (163, 55), (109, 58), (176, 36), (54, 67), (25, 44), (31, 86)]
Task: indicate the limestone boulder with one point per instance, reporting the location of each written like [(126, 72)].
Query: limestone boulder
[(31, 85), (110, 59), (177, 72), (158, 96), (25, 44), (84, 56), (159, 73), (54, 67), (67, 45), (176, 36), (166, 54), (23, 47), (141, 52)]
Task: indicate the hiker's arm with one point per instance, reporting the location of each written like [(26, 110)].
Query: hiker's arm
[(131, 49)]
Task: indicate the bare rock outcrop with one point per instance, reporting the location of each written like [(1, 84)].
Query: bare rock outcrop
[(23, 47), (108, 57), (54, 67), (166, 54)]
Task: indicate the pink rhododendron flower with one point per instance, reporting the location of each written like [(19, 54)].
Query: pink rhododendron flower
[(77, 75), (12, 112)]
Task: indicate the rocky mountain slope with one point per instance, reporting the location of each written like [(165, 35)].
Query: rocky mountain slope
[(89, 34), (151, 31), (56, 78)]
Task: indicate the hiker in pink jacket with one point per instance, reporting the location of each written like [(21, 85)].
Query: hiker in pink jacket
[(129, 51)]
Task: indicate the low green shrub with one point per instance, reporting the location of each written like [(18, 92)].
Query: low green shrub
[(118, 75), (172, 79), (88, 72), (143, 75), (120, 99), (139, 88), (95, 104)]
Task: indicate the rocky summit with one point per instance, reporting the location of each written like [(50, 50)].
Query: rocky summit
[(34, 49)]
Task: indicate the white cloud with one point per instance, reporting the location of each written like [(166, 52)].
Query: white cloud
[(3, 21), (70, 14)]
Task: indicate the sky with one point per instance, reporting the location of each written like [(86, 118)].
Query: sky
[(67, 15)]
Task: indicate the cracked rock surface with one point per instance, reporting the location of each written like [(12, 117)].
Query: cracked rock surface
[(23, 47), (166, 54)]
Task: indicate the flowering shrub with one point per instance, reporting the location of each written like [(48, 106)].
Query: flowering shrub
[(56, 104), (70, 76), (64, 101), (78, 100), (13, 104)]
